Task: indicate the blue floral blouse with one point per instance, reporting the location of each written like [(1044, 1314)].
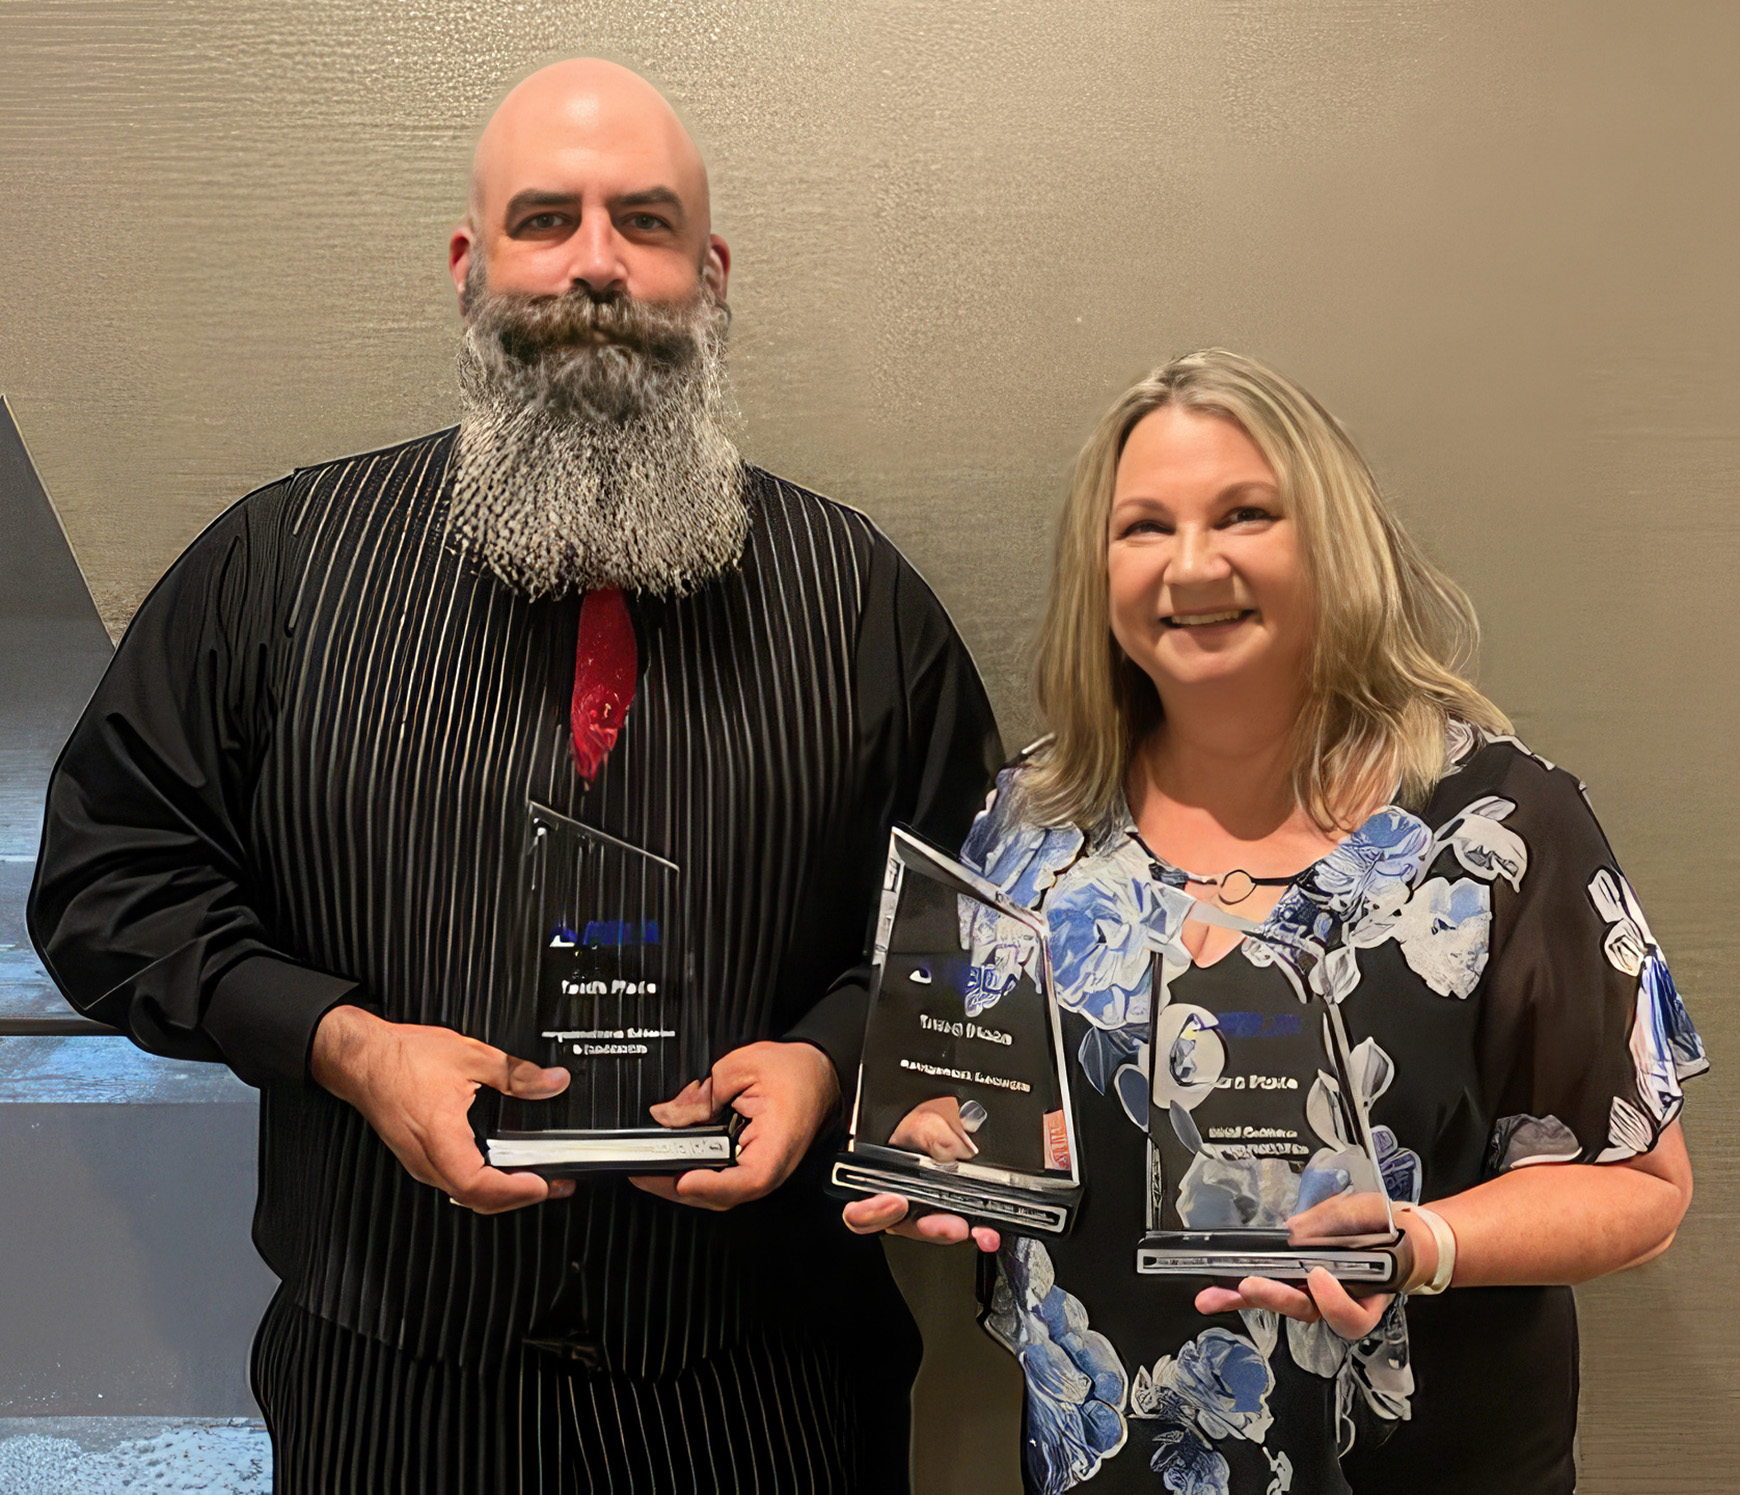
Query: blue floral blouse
[(1509, 1007)]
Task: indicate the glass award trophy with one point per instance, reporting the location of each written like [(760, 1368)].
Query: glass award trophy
[(613, 1005), (1255, 1115), (963, 1100)]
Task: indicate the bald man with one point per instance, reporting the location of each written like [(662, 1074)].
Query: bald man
[(289, 835)]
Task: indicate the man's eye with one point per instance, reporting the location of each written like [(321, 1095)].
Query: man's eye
[(540, 223), (646, 223)]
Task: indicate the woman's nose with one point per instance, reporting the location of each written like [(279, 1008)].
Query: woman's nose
[(1195, 557)]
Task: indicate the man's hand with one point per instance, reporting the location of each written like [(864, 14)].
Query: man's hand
[(414, 1086), (785, 1091)]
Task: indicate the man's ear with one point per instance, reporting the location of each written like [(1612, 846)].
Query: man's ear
[(459, 262), (716, 265)]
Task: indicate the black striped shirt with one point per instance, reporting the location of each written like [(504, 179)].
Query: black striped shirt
[(304, 779)]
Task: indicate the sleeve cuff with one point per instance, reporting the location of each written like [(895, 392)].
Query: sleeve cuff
[(835, 1025), (263, 1013)]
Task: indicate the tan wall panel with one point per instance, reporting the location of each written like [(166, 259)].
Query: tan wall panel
[(1498, 240)]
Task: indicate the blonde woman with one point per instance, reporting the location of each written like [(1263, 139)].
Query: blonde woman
[(1255, 689)]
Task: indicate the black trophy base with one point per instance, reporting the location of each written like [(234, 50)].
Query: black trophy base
[(651, 1149), (1257, 1253), (1039, 1206)]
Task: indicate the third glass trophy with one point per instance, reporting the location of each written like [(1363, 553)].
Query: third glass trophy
[(1255, 1115), (613, 1005), (963, 1101)]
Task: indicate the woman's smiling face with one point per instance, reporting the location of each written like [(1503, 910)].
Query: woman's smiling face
[(1207, 581)]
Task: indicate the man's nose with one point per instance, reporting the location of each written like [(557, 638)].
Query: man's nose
[(596, 255)]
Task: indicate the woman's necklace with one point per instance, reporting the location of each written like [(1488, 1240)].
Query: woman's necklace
[(1230, 888)]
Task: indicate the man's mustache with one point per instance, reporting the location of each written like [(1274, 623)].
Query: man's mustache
[(532, 328)]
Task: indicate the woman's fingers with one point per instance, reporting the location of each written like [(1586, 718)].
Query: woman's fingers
[(1259, 1292), (873, 1215), (1325, 1298), (936, 1131), (1343, 1215), (1351, 1318), (939, 1230), (1213, 1300), (891, 1213)]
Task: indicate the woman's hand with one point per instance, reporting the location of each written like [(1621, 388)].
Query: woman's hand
[(1343, 1217), (1323, 1298), (936, 1129), (891, 1213)]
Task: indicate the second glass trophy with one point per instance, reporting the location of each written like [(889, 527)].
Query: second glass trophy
[(963, 1100), (613, 1005), (1256, 1114)]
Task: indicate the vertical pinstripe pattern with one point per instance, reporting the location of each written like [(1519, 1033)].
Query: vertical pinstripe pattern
[(419, 705), (314, 754), (349, 1415)]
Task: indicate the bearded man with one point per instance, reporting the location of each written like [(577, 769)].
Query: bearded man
[(288, 833)]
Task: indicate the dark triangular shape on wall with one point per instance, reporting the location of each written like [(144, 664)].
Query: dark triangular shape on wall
[(38, 576), (53, 650)]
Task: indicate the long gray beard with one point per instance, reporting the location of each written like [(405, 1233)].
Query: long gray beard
[(595, 448)]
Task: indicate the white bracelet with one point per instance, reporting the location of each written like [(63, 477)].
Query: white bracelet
[(1446, 1239)]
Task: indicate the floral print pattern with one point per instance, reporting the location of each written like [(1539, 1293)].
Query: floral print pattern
[(1100, 943), (1076, 1386), (1216, 1387), (1445, 931), (1664, 1045), (1432, 891), (1374, 887), (1021, 862)]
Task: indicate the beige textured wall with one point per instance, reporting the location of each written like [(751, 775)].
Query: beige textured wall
[(1499, 240)]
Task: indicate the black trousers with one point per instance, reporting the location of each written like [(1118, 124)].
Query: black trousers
[(350, 1414)]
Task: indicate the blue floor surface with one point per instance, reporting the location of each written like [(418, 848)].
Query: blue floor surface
[(132, 1456)]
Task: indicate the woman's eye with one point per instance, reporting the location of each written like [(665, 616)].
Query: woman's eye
[(1248, 514), (1145, 527)]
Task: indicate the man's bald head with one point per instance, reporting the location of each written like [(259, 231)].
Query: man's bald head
[(585, 174)]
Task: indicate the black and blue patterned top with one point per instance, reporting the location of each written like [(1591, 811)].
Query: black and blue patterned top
[(1509, 1008)]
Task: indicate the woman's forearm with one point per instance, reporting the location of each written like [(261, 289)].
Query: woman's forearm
[(1569, 1222)]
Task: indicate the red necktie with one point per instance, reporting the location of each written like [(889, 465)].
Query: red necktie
[(604, 677)]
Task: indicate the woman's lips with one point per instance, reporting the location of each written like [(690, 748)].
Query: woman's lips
[(1224, 618)]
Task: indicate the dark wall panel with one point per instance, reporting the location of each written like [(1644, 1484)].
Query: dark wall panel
[(127, 1284)]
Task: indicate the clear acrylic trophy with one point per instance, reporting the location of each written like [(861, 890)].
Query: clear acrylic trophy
[(614, 1006), (963, 1100), (1255, 1115)]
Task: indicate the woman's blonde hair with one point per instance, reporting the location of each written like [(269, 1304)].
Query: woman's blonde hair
[(1393, 634)]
